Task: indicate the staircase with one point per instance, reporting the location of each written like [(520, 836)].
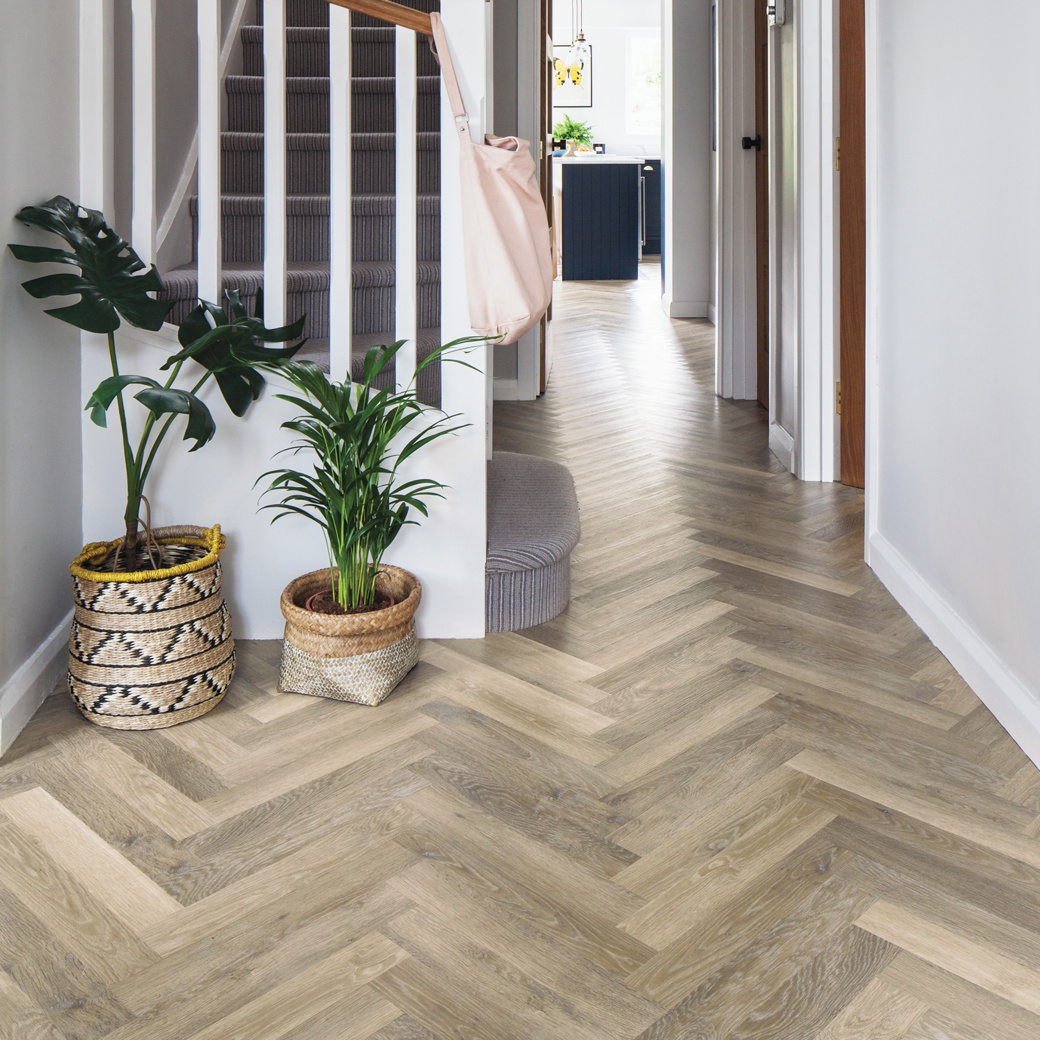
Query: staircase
[(308, 205), (532, 510)]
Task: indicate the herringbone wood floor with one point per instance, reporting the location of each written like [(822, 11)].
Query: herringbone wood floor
[(731, 793)]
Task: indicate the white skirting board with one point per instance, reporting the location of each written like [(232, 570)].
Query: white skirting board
[(685, 308), (781, 444), (1016, 707), (28, 688)]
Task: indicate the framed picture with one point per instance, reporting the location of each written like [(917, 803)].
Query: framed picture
[(572, 87)]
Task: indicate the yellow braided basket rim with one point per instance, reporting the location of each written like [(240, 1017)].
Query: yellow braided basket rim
[(211, 539)]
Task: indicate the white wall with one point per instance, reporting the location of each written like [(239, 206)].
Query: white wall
[(687, 158), (954, 348), (40, 401), (607, 25)]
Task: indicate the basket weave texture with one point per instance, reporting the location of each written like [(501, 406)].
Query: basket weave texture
[(349, 657), (150, 649)]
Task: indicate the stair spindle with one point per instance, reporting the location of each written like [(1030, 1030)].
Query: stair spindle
[(341, 248), (142, 221), (406, 319), (209, 207), (275, 248)]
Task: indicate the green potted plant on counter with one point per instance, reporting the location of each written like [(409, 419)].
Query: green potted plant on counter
[(350, 627), (574, 133), (151, 642)]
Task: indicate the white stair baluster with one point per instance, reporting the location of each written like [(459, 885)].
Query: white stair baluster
[(406, 318), (341, 288), (275, 264), (142, 221), (209, 207)]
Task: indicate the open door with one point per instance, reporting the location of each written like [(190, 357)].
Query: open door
[(853, 248), (762, 199)]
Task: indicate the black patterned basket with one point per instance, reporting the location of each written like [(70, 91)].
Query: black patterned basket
[(150, 649)]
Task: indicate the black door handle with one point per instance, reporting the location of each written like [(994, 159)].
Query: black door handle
[(747, 143)]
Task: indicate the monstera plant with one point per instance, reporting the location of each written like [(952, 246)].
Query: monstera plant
[(114, 285), (151, 642)]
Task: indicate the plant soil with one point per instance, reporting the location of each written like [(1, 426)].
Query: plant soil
[(325, 603)]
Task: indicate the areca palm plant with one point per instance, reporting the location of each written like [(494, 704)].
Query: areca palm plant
[(115, 285), (357, 438)]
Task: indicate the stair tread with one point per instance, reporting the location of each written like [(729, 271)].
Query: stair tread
[(320, 84), (303, 275), (250, 140), (533, 519), (252, 204), (255, 33)]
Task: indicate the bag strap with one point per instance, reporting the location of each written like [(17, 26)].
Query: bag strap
[(451, 82)]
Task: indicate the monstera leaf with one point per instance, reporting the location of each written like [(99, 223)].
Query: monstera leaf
[(229, 343), (113, 281)]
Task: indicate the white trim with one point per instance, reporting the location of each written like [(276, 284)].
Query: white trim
[(506, 390), (406, 318), (341, 213), (1016, 707), (142, 219), (687, 309), (97, 105), (872, 303), (818, 354), (22, 694), (528, 119), (736, 362), (207, 138), (782, 445), (275, 165), (192, 158)]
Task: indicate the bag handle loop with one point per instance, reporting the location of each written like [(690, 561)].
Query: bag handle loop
[(451, 82)]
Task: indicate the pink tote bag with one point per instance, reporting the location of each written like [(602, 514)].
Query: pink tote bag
[(509, 268)]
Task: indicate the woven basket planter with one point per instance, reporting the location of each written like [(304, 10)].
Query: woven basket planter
[(150, 649), (349, 657)]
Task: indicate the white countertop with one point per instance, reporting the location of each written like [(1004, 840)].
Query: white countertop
[(603, 158)]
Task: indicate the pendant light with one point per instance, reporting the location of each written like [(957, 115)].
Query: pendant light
[(578, 57)]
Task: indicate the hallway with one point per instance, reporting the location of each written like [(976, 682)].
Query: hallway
[(731, 792)]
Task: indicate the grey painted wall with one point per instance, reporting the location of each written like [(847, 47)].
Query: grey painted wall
[(957, 440), (40, 398)]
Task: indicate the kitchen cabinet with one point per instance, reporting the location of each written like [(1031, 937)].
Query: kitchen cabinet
[(601, 210)]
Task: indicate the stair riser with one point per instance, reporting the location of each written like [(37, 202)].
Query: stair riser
[(373, 308), (308, 113), (372, 55), (308, 237), (308, 172)]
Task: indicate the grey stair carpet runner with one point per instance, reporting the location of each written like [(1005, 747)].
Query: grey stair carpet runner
[(533, 526), (307, 205)]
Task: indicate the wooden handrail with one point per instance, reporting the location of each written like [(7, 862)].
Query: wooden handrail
[(388, 11)]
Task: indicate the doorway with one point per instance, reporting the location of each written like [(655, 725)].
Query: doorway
[(851, 162)]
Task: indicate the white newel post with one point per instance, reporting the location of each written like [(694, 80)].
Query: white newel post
[(209, 208), (275, 264), (406, 320), (341, 289), (448, 551)]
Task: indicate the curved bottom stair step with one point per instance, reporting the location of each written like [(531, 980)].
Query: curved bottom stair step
[(533, 526)]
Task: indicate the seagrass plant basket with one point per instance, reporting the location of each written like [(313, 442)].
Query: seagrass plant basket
[(150, 649), (349, 657)]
